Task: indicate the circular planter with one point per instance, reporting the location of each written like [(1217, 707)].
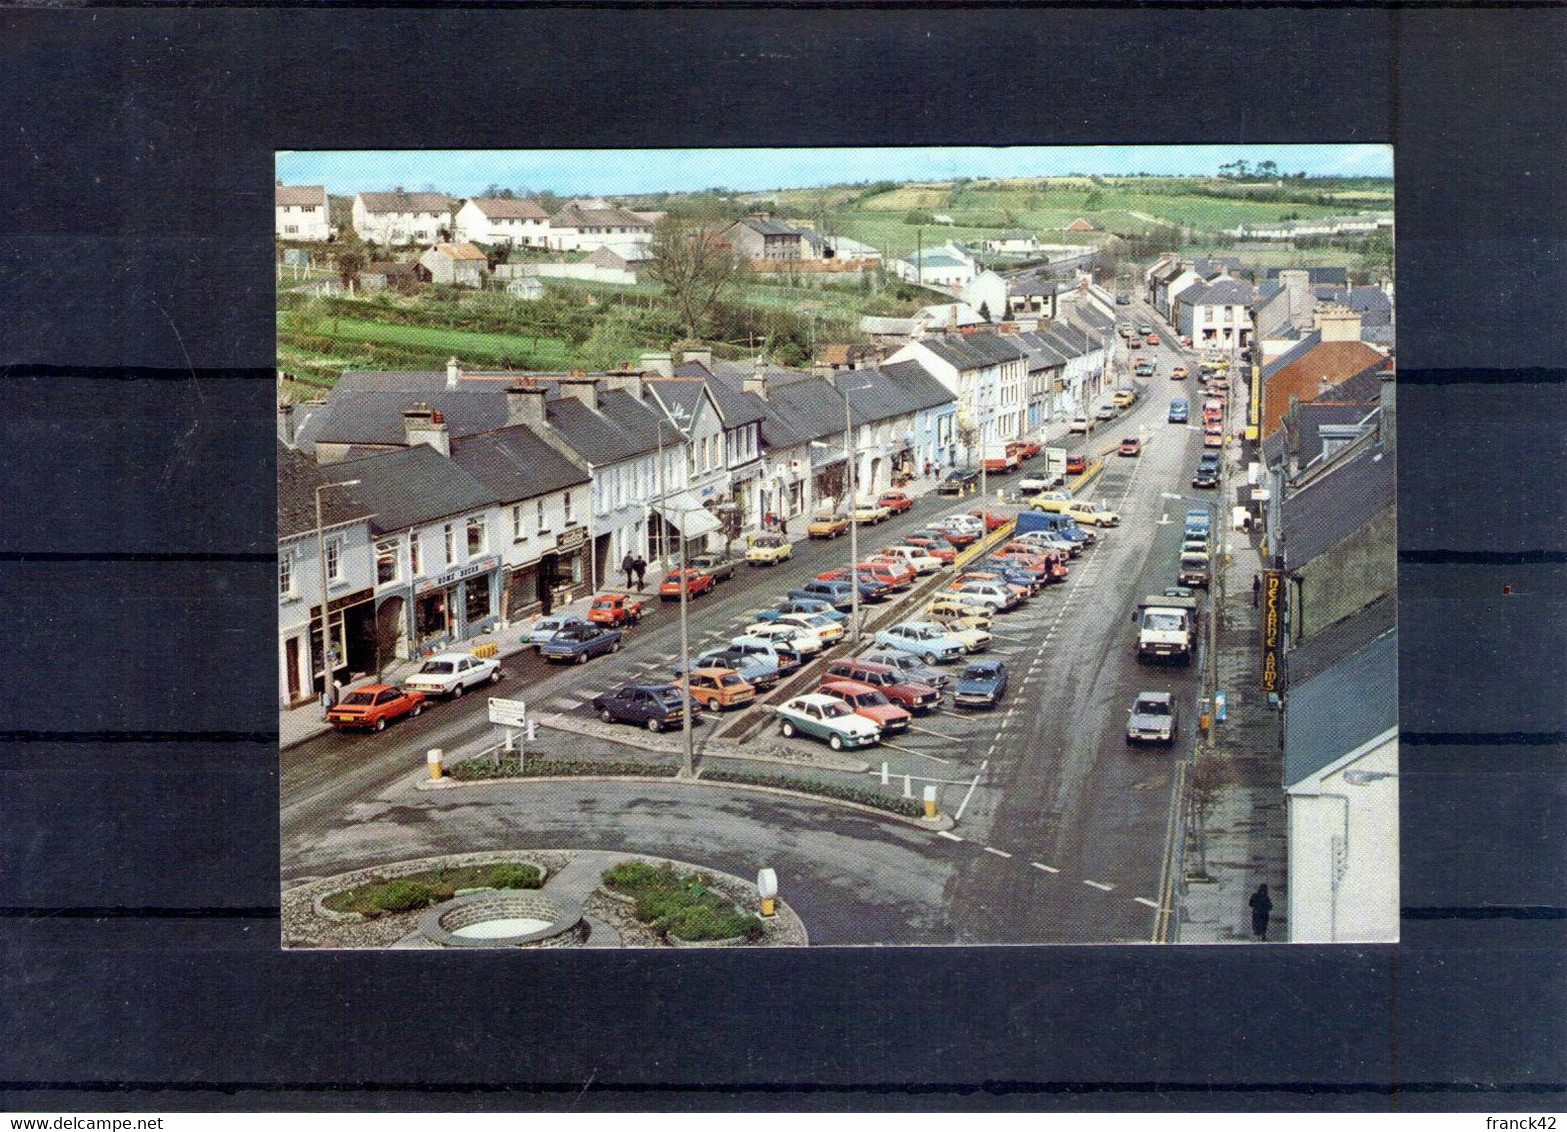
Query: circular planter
[(445, 923), (409, 868)]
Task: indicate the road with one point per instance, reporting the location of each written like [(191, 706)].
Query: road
[(1061, 827)]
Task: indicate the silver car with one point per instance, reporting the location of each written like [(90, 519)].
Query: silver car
[(453, 673), (1153, 719)]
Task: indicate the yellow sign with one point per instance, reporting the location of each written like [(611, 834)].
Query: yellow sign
[(1272, 628)]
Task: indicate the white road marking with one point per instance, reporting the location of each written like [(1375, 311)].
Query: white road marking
[(1100, 885), (948, 835), (998, 852), (963, 805), (1144, 900), (1043, 868)]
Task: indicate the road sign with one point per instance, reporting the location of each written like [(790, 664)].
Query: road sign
[(508, 713)]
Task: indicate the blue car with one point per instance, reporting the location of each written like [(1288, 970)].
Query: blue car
[(924, 639), (807, 606), (544, 628), (836, 594), (1199, 521), (982, 684), (754, 665), (1035, 580), (578, 644)]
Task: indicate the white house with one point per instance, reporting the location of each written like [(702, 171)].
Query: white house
[(987, 294), (301, 212), (501, 220), (1015, 241), (946, 266), (988, 376), (462, 265), (397, 218), (579, 228)]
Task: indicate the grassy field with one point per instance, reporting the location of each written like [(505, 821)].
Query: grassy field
[(362, 339)]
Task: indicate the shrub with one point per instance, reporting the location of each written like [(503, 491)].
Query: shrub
[(908, 807), (484, 766), (634, 876), (402, 896), (705, 922), (514, 876)]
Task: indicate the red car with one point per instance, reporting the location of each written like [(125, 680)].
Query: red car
[(615, 609), (1131, 446), (1153, 339), (895, 501), (1025, 449), (992, 519), (1076, 465), (940, 549), (957, 536), (374, 706), (898, 572), (697, 583)]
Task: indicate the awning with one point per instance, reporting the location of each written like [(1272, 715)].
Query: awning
[(687, 515)]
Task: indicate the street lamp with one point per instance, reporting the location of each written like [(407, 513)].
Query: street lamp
[(328, 653), (851, 453)]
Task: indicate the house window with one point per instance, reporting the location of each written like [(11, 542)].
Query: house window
[(334, 559), (539, 506), (385, 562), (285, 574), (475, 537), (451, 544), (413, 553), (290, 229), (565, 503), (517, 533)]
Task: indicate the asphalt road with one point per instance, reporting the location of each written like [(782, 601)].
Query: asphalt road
[(1061, 826)]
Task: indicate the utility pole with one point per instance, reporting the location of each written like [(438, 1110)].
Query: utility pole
[(688, 767), (851, 454), (328, 652)]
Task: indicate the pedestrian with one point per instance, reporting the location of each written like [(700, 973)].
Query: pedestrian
[(639, 564), (1256, 590), (1261, 906), (628, 564)]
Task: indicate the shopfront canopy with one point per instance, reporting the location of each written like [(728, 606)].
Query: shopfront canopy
[(687, 515)]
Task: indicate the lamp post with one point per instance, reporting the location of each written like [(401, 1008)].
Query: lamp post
[(851, 454), (328, 653)]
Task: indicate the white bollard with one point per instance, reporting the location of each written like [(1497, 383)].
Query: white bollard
[(908, 786), (434, 761), (884, 772)]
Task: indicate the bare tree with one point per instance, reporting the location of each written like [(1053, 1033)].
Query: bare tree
[(1210, 775), (696, 268)]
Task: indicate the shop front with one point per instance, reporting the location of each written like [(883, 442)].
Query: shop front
[(457, 604), (690, 519), (352, 623)]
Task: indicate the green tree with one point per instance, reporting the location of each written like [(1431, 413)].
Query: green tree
[(919, 216), (695, 268)]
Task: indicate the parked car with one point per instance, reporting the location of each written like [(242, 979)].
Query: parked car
[(1179, 411), (870, 512), (996, 591), (972, 631), (945, 609), (580, 644), (1131, 446), (1092, 514), (1079, 424), (982, 684), (452, 674), (756, 665), (1213, 436), (1123, 300), (828, 719), (935, 544), (957, 482), (992, 518), (373, 706), (695, 582), (1144, 329), (836, 592), (768, 550), (1026, 449), (544, 628), (1076, 464), (891, 681), (925, 639), (802, 605), (869, 703), (897, 502), (1153, 719), (1178, 373), (907, 666), (916, 557), (1135, 341), (1207, 475), (1050, 540), (720, 688), (801, 640), (1123, 398), (827, 628), (826, 524), (654, 706), (720, 566), (871, 588), (615, 609)]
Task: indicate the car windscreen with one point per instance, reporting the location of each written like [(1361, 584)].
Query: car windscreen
[(730, 681), (1152, 707), (437, 666), (359, 699), (836, 709), (1160, 621)]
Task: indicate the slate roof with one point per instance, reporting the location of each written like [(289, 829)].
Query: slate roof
[(300, 194), (1192, 294), (407, 202), (974, 351), (1042, 354), (735, 405), (1016, 234), (769, 227), (880, 324), (574, 217), (1343, 707), (1315, 275), (1225, 292), (297, 479), (1305, 430), (934, 259), (504, 208), (922, 389), (1342, 500), (801, 410), (1372, 303), (1032, 284), (941, 314), (515, 463), (1209, 266), (1268, 289), (410, 486)]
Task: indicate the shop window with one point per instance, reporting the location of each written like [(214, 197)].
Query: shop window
[(285, 574), (565, 504), (430, 615), (475, 537), (451, 544), (385, 562), (478, 600)]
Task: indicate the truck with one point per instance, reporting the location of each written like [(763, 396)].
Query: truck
[(1051, 521), (1166, 628), (999, 459)]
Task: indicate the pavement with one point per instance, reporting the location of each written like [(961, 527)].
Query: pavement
[(1246, 832)]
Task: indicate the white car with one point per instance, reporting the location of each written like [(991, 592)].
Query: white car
[(453, 673), (914, 556), (826, 718), (802, 641), (971, 523), (818, 624), (1079, 424)]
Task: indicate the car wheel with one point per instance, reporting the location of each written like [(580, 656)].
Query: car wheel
[(582, 658), (835, 743), (786, 729), (714, 705), (417, 708), (655, 725), (614, 646), (606, 715), (930, 658), (458, 691), (495, 677), (380, 724)]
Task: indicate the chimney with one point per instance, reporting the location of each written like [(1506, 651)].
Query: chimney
[(525, 405), (703, 357), (452, 373), (756, 380), (821, 369), (581, 386), (626, 377), (424, 425), (661, 362), (1336, 322), (285, 423)]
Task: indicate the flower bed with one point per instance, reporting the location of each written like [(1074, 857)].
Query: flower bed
[(907, 807), (482, 767), (380, 896), (681, 906)]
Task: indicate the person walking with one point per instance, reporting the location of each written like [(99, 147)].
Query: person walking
[(639, 564), (1256, 590), (628, 564), (1261, 907)]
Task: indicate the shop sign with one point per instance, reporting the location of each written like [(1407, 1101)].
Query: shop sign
[(341, 603), (1272, 628), (473, 569), (568, 541)]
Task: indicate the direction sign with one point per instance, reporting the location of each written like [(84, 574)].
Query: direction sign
[(508, 713)]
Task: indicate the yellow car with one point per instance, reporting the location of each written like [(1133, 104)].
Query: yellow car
[(827, 525), (1091, 514), (1122, 398), (949, 612), (871, 512), (768, 550)]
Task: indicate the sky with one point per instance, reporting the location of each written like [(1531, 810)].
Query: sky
[(581, 172)]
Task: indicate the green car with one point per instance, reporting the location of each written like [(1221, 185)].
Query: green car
[(829, 719)]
